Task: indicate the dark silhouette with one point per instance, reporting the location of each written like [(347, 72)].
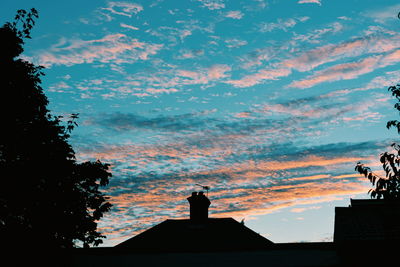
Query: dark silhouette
[(386, 187), (47, 199), (199, 204), (197, 234)]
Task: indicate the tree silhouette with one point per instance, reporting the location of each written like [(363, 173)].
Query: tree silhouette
[(47, 198), (386, 187)]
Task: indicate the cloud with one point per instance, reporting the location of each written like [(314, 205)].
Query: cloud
[(114, 48), (375, 42), (249, 174), (307, 111), (387, 79), (154, 91), (235, 43), (127, 121), (59, 87), (383, 14), (370, 44), (243, 115), (230, 196), (202, 76), (123, 25), (281, 24), (344, 71), (213, 4), (187, 54), (299, 210), (123, 8), (218, 71), (316, 35), (309, 2), (260, 76), (166, 79), (234, 14), (382, 43), (172, 34), (348, 71)]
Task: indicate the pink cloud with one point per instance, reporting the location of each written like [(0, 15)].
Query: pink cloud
[(243, 115), (299, 210), (123, 25), (348, 71), (218, 71), (325, 54), (260, 76), (201, 76), (114, 48), (237, 14), (371, 44), (161, 90), (367, 116)]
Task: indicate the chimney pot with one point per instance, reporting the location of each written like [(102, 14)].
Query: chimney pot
[(199, 204)]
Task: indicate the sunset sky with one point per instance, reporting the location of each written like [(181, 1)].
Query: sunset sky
[(271, 103)]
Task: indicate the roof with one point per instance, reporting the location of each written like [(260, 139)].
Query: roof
[(367, 220), (213, 234)]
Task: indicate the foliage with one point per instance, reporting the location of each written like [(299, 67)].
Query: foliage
[(47, 198), (386, 187)]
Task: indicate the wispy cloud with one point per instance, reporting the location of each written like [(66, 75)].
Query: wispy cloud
[(114, 48), (123, 8), (213, 4), (384, 14), (260, 76), (234, 14), (309, 2), (187, 54), (249, 176), (348, 71), (241, 190), (235, 43), (172, 95), (379, 46), (344, 71), (281, 24), (316, 35), (123, 25), (299, 210)]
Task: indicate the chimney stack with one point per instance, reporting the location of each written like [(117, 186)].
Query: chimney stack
[(199, 204)]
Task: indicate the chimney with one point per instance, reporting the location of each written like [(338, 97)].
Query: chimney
[(199, 204)]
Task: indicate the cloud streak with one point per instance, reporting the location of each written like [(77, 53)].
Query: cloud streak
[(113, 48), (382, 48), (123, 8)]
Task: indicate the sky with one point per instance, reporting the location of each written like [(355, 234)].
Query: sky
[(270, 103)]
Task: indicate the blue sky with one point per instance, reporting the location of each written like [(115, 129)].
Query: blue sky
[(270, 103)]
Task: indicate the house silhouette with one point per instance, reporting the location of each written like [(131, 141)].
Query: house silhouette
[(198, 233), (204, 241)]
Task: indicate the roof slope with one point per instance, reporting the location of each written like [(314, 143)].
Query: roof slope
[(214, 234)]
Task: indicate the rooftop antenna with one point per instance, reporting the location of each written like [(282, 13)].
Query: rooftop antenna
[(205, 187)]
